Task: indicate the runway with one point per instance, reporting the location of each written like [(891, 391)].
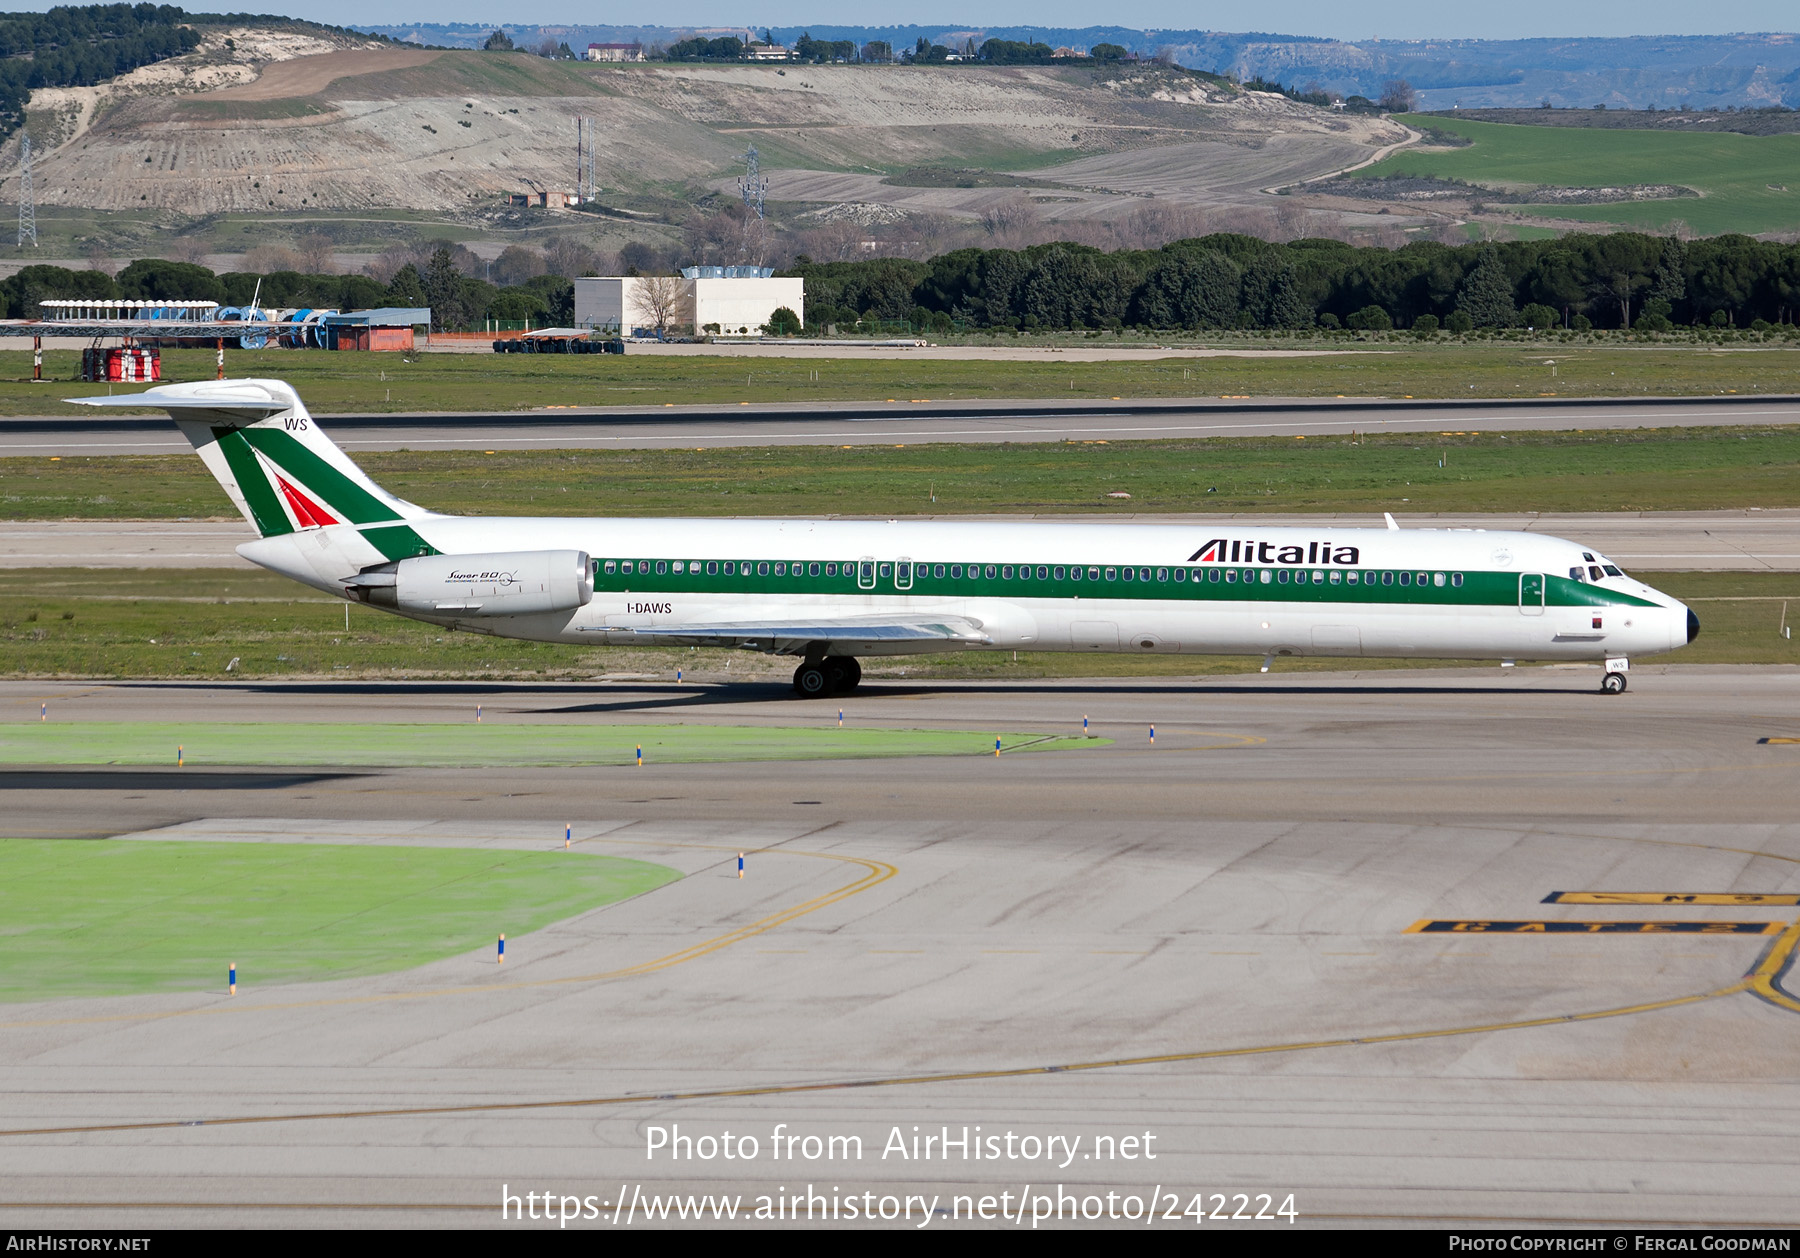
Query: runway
[(1643, 541), (912, 421), (1204, 940)]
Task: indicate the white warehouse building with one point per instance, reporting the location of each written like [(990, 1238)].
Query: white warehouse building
[(730, 300)]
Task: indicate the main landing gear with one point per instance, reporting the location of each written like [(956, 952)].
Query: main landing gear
[(834, 674)]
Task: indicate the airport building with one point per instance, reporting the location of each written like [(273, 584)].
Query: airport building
[(722, 300)]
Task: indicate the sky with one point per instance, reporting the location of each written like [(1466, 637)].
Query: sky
[(1389, 19)]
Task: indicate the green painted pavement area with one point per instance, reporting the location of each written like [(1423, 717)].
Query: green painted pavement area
[(96, 918), (487, 745)]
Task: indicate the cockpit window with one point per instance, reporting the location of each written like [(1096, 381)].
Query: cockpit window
[(1587, 556), (1612, 571), (1595, 573), (1578, 573)]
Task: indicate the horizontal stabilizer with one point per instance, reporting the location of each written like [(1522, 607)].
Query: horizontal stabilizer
[(264, 397)]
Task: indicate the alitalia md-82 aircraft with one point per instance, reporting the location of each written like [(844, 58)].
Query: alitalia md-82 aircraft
[(828, 591)]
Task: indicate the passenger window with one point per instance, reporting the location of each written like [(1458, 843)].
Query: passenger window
[(1181, 574), (1406, 578), (780, 569), (643, 567), (1387, 578), (1456, 578), (1230, 574), (1060, 573), (1350, 577), (678, 565), (1212, 575), (1266, 578), (1423, 577), (1093, 574), (991, 570), (831, 570), (1337, 576), (887, 569), (762, 569), (1319, 576), (938, 571), (1281, 577), (612, 566), (1043, 573), (1112, 574), (662, 566), (1129, 574), (1368, 578), (1143, 574), (956, 571), (903, 573), (1006, 573), (1162, 574), (1437, 578)]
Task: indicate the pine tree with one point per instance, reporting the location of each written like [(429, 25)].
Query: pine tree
[(1670, 284), (1486, 295)]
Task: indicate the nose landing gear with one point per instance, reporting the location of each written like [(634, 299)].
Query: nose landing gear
[(833, 674), (1614, 681)]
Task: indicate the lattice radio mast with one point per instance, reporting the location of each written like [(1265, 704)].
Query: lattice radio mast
[(27, 198), (588, 194), (584, 160), (754, 185)]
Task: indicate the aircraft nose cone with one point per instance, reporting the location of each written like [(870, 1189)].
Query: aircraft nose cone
[(1693, 625)]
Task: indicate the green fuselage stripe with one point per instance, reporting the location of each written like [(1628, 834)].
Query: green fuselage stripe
[(1301, 585), (398, 541)]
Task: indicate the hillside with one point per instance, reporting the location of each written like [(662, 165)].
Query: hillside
[(298, 122), (1631, 72), (1642, 178)]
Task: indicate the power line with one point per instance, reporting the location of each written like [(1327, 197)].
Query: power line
[(754, 185)]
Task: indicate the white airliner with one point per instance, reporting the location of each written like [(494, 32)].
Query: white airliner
[(828, 591)]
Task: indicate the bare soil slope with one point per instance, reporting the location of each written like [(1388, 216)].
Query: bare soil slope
[(373, 126)]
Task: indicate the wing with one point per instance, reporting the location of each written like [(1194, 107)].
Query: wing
[(792, 637)]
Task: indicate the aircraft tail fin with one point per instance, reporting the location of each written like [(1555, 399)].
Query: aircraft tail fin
[(270, 456)]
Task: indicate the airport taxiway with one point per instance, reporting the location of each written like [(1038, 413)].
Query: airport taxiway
[(913, 421), (1204, 938)]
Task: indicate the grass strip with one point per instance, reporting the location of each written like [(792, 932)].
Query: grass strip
[(1450, 471), (84, 918), (389, 383)]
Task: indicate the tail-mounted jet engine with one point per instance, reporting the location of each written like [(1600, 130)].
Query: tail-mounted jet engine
[(522, 583)]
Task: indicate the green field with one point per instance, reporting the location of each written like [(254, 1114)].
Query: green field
[(1747, 183), (489, 744), (174, 623), (1393, 367), (97, 918), (1630, 470)]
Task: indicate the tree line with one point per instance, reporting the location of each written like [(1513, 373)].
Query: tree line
[(1619, 280), (1221, 281)]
